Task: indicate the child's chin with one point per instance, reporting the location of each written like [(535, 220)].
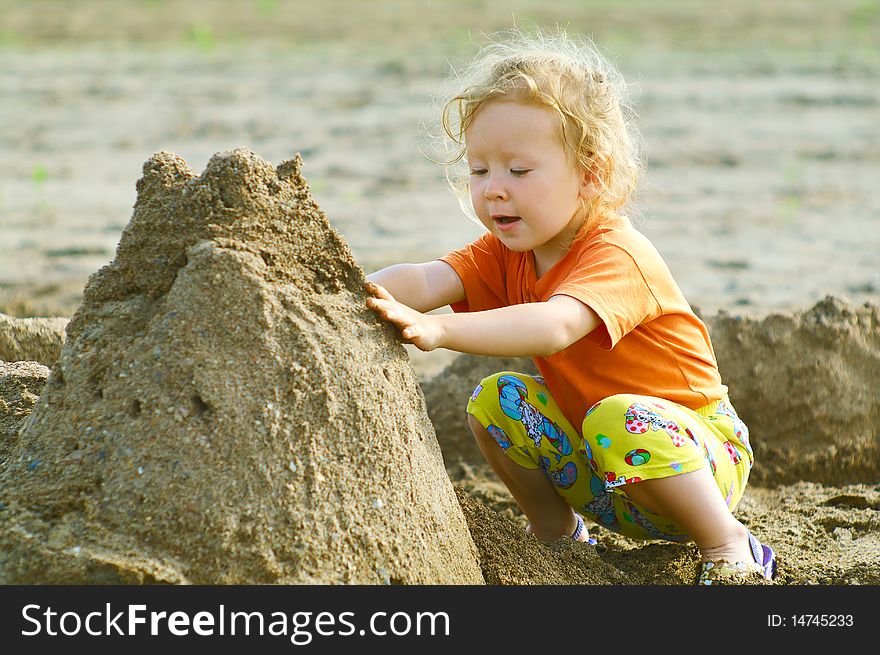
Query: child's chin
[(514, 244)]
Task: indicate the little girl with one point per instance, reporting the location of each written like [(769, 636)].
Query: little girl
[(563, 277)]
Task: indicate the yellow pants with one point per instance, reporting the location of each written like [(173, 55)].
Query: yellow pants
[(624, 438)]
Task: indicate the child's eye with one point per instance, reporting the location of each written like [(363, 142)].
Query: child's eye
[(519, 172), (478, 171)]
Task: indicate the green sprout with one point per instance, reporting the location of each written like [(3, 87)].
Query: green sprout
[(40, 174), (202, 35), (267, 7)]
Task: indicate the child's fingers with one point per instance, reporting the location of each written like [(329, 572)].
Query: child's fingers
[(378, 291), (389, 311), (377, 305), (382, 307), (401, 321), (382, 292)]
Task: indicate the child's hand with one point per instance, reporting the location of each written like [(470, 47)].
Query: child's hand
[(421, 330)]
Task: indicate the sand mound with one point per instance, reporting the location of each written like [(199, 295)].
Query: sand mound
[(226, 409), (806, 385), (21, 384), (31, 339)]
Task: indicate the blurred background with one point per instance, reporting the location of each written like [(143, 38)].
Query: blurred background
[(761, 119)]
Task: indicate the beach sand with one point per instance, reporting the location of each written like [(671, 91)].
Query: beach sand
[(763, 146)]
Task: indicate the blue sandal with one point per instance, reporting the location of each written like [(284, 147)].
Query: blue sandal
[(723, 572), (580, 529)]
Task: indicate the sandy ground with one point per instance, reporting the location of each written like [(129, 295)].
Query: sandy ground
[(760, 123)]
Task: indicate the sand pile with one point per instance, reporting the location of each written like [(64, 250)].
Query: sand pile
[(21, 384), (226, 409), (31, 339), (806, 385)]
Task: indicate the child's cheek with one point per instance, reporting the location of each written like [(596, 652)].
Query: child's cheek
[(476, 192), (477, 202)]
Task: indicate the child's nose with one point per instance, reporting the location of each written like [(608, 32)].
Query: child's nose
[(494, 189)]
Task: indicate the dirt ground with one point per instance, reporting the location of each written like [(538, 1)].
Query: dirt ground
[(760, 121)]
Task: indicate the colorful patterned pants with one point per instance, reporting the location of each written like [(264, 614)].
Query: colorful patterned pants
[(625, 438)]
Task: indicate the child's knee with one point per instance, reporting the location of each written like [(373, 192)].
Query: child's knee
[(477, 395), (505, 391), (612, 431), (515, 409), (491, 385), (611, 409)]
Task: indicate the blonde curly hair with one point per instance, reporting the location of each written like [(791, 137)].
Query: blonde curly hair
[(569, 76)]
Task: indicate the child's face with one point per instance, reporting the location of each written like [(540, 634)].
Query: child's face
[(524, 187)]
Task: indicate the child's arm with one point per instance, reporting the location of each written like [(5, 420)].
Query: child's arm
[(537, 329), (422, 287)]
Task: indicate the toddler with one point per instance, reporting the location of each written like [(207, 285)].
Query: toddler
[(628, 423)]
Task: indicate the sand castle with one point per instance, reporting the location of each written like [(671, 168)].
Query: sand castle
[(31, 339), (807, 383), (21, 384), (226, 410)]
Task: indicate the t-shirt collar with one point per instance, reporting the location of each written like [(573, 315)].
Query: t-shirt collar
[(550, 279)]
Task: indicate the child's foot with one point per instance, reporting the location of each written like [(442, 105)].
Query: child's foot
[(735, 548), (581, 533), (760, 561), (578, 533)]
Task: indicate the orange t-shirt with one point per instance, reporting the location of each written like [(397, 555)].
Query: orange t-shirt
[(650, 342)]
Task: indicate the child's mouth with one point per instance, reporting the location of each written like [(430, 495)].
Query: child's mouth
[(504, 222)]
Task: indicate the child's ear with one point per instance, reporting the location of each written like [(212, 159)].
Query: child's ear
[(594, 176)]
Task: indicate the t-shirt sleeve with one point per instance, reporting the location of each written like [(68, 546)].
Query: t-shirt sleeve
[(610, 281), (480, 266)]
